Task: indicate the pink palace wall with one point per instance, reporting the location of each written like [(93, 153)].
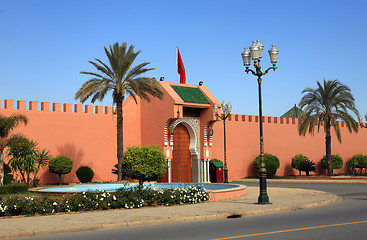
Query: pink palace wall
[(281, 139), (87, 134)]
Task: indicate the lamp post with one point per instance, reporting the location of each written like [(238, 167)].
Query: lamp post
[(256, 51), (360, 121), (226, 110)]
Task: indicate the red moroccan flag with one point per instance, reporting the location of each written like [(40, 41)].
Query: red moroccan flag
[(181, 68)]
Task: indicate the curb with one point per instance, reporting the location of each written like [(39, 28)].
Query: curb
[(165, 221), (301, 181)]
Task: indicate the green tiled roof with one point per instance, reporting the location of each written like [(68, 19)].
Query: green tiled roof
[(190, 94), (294, 112), (218, 164)]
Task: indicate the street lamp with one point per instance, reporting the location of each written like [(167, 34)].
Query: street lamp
[(226, 110), (256, 51), (360, 121)]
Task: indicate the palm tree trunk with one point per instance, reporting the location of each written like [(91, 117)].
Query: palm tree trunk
[(141, 182), (1, 168), (29, 179), (328, 147), (120, 137), (35, 176), (22, 174)]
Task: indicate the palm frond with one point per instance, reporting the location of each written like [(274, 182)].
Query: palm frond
[(93, 87), (328, 103), (7, 124)]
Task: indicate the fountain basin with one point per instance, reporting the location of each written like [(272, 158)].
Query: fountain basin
[(217, 191)]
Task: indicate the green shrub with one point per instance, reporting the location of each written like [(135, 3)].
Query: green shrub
[(13, 188), (357, 161), (271, 164), (352, 165), (361, 161), (146, 163), (131, 197), (336, 162), (60, 165), (303, 164), (7, 169), (8, 178), (85, 174)]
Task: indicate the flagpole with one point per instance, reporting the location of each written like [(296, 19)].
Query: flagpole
[(177, 63)]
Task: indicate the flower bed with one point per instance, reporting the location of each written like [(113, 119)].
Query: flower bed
[(87, 201)]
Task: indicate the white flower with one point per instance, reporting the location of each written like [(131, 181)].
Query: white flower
[(55, 204), (3, 207)]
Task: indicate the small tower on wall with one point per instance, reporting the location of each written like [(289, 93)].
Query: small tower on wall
[(294, 112)]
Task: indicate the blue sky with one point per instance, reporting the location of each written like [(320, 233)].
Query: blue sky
[(44, 45)]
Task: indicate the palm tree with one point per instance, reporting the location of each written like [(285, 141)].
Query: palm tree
[(7, 124), (122, 79), (42, 157), (22, 151), (326, 104)]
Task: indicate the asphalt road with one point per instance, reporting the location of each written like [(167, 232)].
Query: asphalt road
[(344, 219)]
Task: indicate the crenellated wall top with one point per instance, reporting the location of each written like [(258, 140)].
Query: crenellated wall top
[(21, 105), (265, 119), (252, 118)]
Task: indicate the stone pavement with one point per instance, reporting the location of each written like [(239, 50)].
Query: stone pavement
[(282, 199), (311, 180)]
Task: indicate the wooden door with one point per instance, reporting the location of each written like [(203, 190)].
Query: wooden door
[(181, 162)]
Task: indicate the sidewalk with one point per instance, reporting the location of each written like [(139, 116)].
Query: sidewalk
[(301, 179), (282, 199)]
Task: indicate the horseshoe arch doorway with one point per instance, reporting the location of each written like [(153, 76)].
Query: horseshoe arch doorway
[(181, 161)]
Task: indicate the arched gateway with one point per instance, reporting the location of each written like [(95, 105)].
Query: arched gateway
[(181, 124), (181, 161)]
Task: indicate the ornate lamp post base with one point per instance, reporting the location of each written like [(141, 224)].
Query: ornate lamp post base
[(263, 197), (225, 175)]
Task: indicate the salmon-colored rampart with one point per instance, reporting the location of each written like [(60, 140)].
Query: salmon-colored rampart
[(87, 134)]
